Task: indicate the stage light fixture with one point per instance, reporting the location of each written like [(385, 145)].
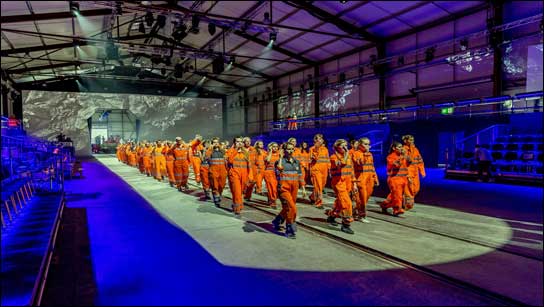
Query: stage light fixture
[(463, 44), (343, 1), (119, 7), (266, 17), (429, 54), (273, 37), (289, 91), (195, 22), (211, 28), (218, 65), (141, 28), (161, 21), (232, 59), (342, 77), (74, 8), (400, 60), (149, 19), (178, 71), (180, 32)]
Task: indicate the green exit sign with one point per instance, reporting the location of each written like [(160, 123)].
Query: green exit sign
[(446, 111)]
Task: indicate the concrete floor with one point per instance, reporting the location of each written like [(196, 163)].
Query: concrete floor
[(151, 244)]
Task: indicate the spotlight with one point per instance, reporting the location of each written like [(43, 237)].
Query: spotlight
[(218, 65), (141, 28), (180, 32), (161, 21), (74, 8), (119, 7), (273, 37), (302, 88), (232, 59), (400, 60), (178, 71), (289, 91), (211, 28), (195, 21), (342, 77), (343, 1), (245, 26), (149, 19), (429, 54), (266, 17), (463, 44)]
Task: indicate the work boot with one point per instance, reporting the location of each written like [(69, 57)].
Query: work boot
[(290, 230), (345, 228), (331, 220), (216, 200), (207, 194), (277, 221)]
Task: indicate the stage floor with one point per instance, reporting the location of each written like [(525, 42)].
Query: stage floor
[(151, 244)]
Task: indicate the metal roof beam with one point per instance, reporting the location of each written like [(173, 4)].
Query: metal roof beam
[(54, 15), (34, 68), (330, 18), (218, 80)]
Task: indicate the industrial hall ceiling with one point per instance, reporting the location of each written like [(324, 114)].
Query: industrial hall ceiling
[(234, 44)]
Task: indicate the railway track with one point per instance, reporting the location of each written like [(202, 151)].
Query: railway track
[(493, 297)]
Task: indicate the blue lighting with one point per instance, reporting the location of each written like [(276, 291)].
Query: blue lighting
[(427, 106), (530, 95), (467, 102), (412, 108), (497, 99), (444, 104)]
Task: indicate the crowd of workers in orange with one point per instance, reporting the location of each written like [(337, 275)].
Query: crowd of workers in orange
[(285, 169)]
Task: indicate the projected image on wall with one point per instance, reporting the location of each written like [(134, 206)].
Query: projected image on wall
[(46, 114)]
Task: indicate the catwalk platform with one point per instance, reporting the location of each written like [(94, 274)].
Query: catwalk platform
[(153, 245)]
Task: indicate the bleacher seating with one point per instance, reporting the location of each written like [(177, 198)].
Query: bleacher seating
[(31, 202), (515, 157)]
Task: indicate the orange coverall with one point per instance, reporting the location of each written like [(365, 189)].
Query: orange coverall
[(169, 164), (270, 179), (342, 184), (289, 178), (366, 177), (147, 159), (196, 149), (217, 173), (160, 162), (319, 170), (204, 174), (182, 155), (239, 173), (259, 175), (415, 168), (397, 180), (253, 163)]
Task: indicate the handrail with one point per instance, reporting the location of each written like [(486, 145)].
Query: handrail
[(481, 131)]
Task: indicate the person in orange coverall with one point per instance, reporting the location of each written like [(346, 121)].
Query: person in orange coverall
[(365, 177), (289, 176), (169, 162), (397, 177), (415, 168), (239, 173), (319, 169), (182, 156), (342, 184), (148, 150), (205, 170), (160, 161), (196, 148), (253, 162), (270, 173), (260, 155), (218, 170)]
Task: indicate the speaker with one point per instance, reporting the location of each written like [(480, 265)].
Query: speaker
[(218, 66)]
